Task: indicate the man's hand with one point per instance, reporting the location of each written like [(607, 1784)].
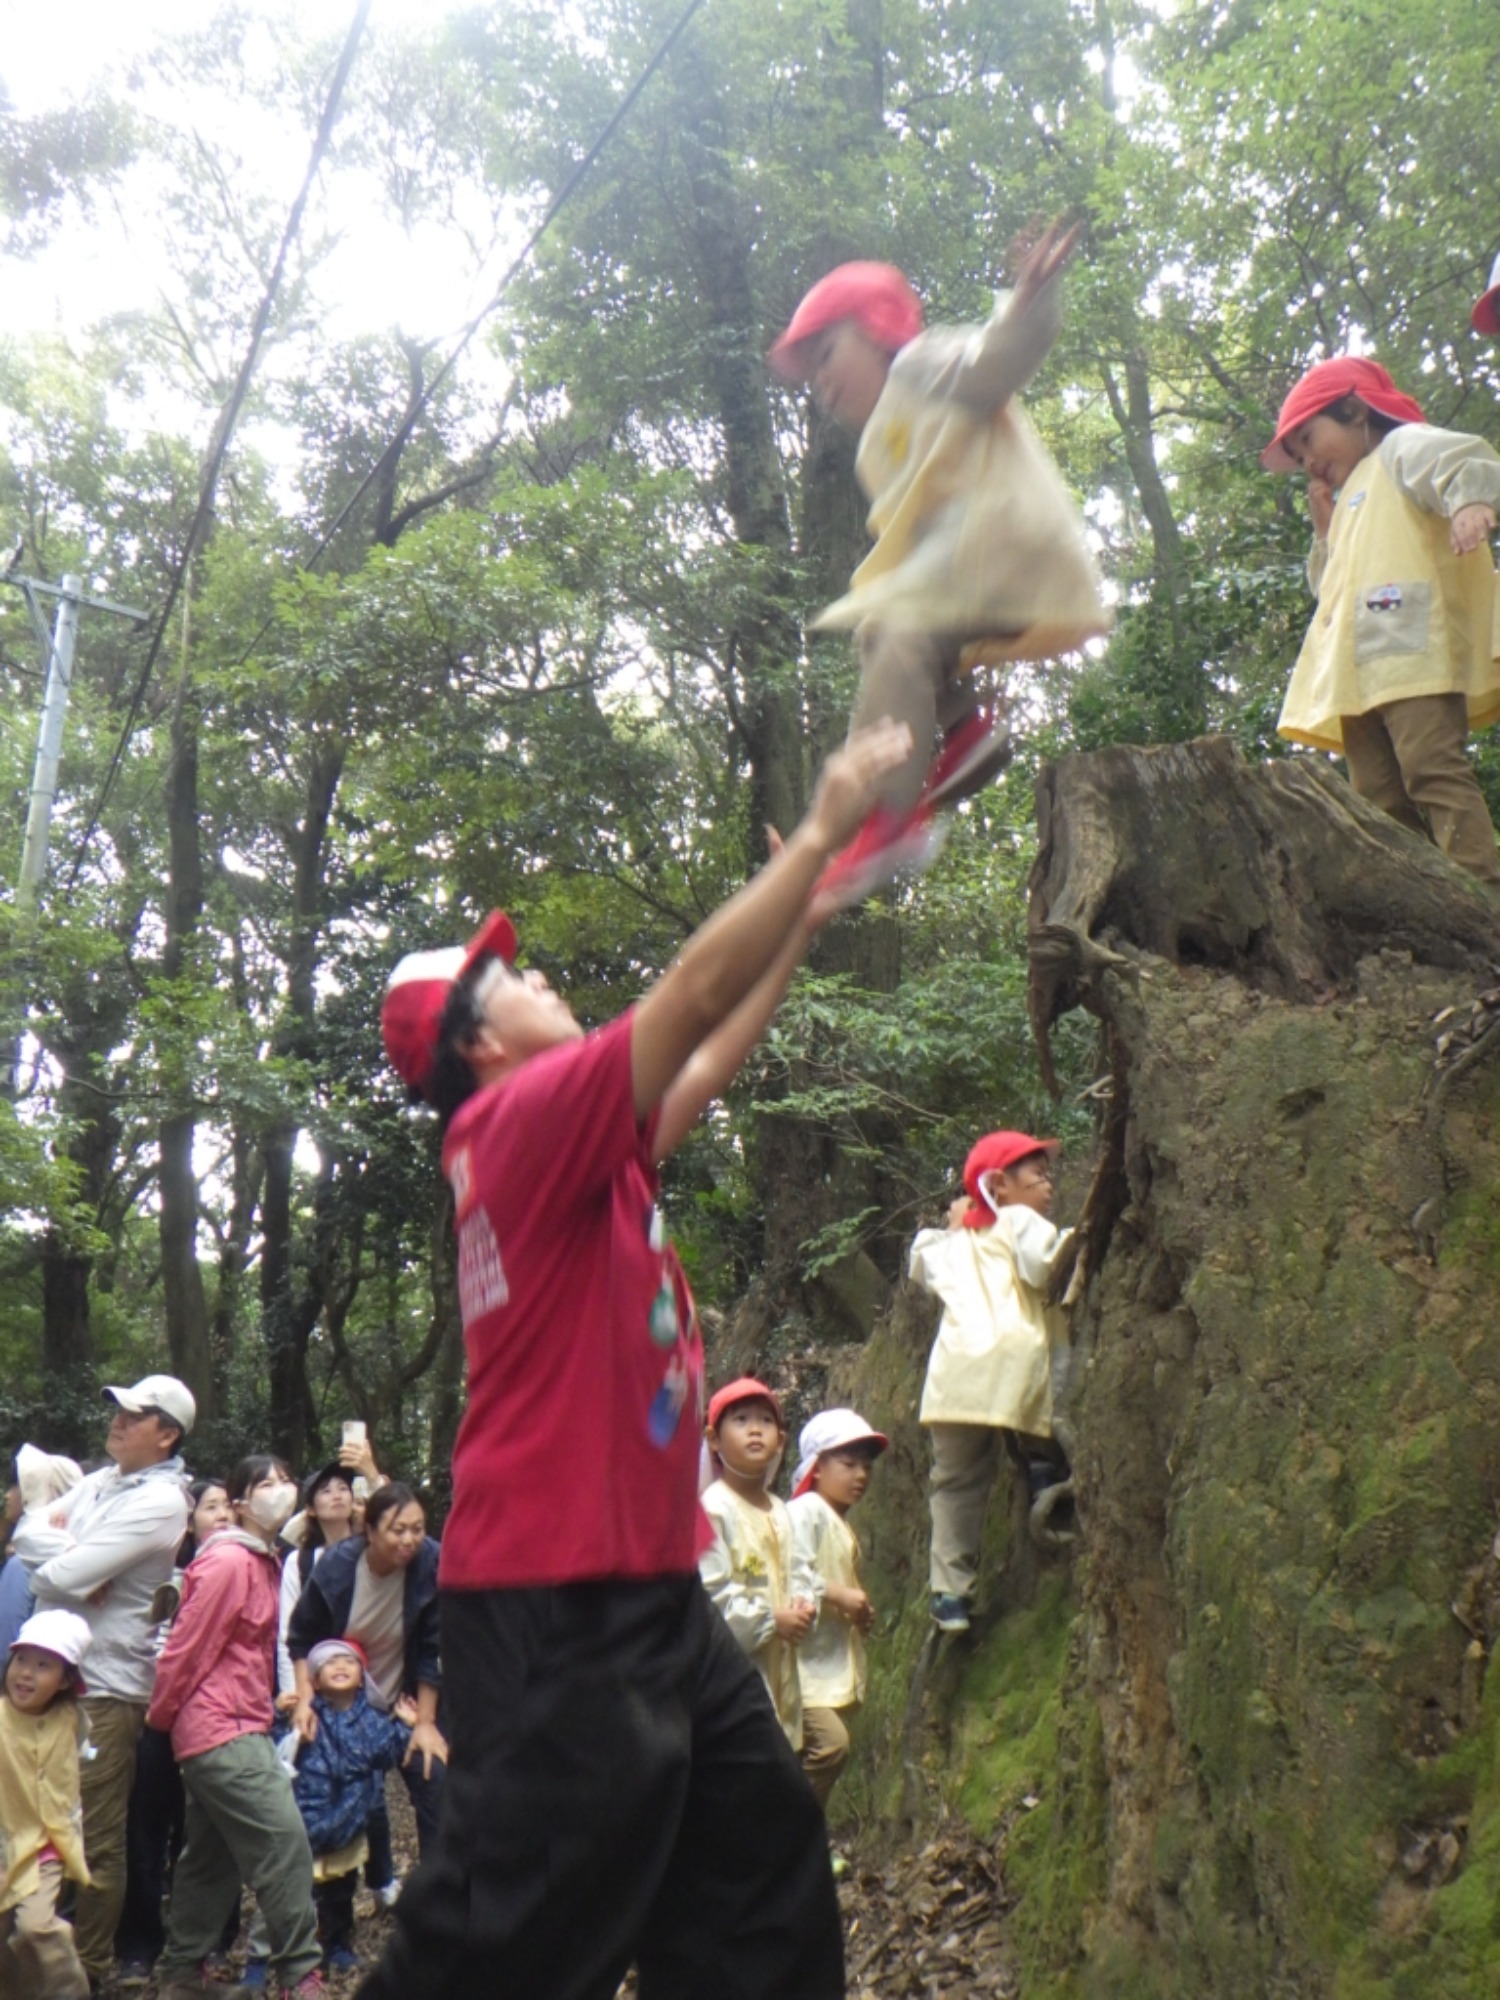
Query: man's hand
[(1320, 506), (795, 1620), (1470, 526), (427, 1742), (850, 778)]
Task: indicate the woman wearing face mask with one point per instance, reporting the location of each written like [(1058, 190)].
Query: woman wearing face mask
[(213, 1692), (380, 1588)]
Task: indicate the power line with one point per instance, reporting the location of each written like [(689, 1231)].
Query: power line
[(228, 417)]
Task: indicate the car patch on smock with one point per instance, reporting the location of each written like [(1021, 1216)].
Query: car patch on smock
[(1387, 597)]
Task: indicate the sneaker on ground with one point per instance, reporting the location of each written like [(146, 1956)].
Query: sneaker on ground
[(310, 1984), (949, 1613), (388, 1897), (255, 1975), (974, 750), (133, 1976), (341, 1958), (887, 845)]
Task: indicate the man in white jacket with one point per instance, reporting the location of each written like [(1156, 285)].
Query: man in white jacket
[(103, 1552)]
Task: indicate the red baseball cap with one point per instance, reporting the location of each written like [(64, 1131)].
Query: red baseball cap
[(411, 1014), (992, 1155), (1348, 375), (1485, 317), (876, 297), (744, 1389)]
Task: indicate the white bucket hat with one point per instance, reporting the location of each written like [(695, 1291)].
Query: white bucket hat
[(831, 1430), (60, 1632)]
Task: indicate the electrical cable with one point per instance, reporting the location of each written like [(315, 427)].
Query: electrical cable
[(228, 417)]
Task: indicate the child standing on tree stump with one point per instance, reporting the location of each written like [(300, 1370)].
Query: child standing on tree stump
[(1402, 658), (998, 1345), (762, 1590), (979, 553), (838, 1451)]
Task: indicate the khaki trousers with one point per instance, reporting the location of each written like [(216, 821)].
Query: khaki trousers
[(105, 1780), (965, 1460), (38, 1958), (913, 678), (1408, 758), (825, 1748)]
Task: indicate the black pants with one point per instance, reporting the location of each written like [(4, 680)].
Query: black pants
[(153, 1839), (620, 1790), (335, 1903)]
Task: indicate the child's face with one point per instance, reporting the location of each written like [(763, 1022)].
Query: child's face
[(35, 1678), (748, 1438), (1027, 1184), (841, 1477), (1329, 450), (847, 372), (341, 1676)]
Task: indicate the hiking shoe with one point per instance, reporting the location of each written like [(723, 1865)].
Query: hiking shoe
[(134, 1976), (976, 749), (311, 1986), (887, 845), (949, 1613)]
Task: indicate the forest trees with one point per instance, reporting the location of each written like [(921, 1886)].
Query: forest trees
[(554, 656)]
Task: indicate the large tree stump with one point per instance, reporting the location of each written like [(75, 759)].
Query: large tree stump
[(1288, 1429)]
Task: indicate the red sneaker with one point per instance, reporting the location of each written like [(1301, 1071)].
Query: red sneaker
[(887, 845), (974, 750)]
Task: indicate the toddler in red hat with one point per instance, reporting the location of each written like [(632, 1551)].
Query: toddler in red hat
[(1000, 1348), (979, 552), (1403, 655), (763, 1590)]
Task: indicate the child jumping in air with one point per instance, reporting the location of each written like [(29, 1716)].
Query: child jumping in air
[(766, 1596), (979, 554), (998, 1343), (1403, 656), (838, 1451), (41, 1816), (340, 1785)]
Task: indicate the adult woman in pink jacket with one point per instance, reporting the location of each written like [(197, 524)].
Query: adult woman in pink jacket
[(213, 1692)]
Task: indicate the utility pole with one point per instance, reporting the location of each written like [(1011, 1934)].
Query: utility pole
[(58, 652)]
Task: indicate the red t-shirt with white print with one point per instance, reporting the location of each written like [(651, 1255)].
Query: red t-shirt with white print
[(577, 1455)]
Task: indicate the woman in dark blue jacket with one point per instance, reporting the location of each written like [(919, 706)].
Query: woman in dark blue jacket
[(380, 1588)]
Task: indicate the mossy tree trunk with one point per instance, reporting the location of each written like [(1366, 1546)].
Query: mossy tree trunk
[(1288, 1451)]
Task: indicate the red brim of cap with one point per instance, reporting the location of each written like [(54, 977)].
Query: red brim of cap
[(495, 938), (1485, 317)]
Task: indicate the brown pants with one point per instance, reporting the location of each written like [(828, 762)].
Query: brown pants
[(965, 1461), (825, 1748), (38, 1960), (1408, 758), (913, 678), (104, 1782)]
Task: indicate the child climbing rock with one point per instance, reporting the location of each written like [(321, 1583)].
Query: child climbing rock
[(998, 1344), (979, 552)]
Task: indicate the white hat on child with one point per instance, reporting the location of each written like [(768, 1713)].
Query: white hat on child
[(830, 1430), (60, 1632), (45, 1476)]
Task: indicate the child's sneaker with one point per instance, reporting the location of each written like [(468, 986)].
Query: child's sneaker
[(888, 844), (976, 749), (388, 1897), (311, 1986), (950, 1613), (255, 1974)]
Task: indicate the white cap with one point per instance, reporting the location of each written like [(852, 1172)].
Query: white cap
[(158, 1392), (44, 1476), (60, 1632), (830, 1430)]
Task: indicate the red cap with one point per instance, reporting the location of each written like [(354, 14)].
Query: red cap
[(1485, 317), (992, 1155), (744, 1389), (1348, 375), (875, 296), (412, 1012)]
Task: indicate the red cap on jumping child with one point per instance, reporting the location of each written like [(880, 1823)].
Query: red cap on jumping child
[(876, 297), (993, 1154), (1348, 375), (1485, 317), (744, 1389), (411, 1015)]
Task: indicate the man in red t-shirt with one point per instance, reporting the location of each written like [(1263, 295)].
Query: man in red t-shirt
[(619, 1788)]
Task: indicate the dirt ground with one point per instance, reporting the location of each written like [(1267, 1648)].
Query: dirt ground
[(927, 1925)]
